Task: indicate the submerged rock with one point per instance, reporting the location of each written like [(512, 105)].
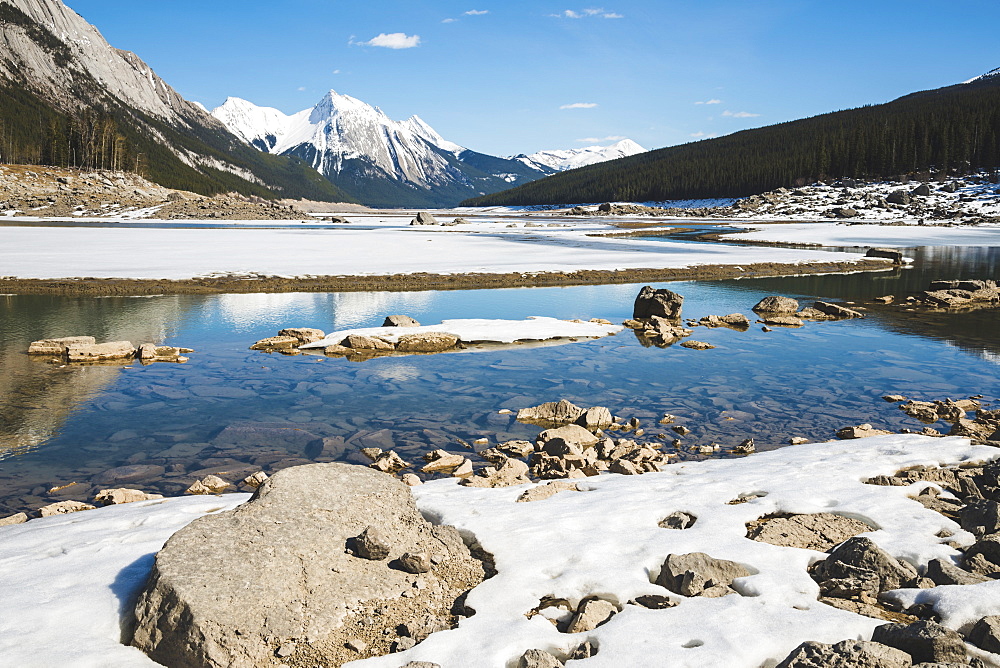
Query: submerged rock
[(58, 346)]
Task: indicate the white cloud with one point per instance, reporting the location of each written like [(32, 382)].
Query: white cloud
[(597, 140), (712, 101), (449, 20), (395, 40), (598, 12), (476, 12), (336, 72), (703, 135), (739, 114), (300, 88), (579, 105)]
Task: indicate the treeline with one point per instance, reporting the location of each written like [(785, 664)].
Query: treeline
[(948, 130)]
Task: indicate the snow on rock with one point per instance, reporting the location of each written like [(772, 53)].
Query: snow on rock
[(76, 576), (562, 160), (480, 330)]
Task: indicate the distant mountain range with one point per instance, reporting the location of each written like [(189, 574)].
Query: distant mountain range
[(383, 162), (950, 130)]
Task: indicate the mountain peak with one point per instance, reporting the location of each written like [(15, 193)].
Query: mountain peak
[(562, 160), (989, 75)]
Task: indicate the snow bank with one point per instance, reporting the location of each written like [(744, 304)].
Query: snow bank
[(897, 236), (67, 581), (72, 577), (534, 328), (393, 248)]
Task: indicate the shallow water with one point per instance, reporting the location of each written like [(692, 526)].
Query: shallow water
[(231, 410)]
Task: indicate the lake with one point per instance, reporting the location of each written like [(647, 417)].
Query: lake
[(231, 410)]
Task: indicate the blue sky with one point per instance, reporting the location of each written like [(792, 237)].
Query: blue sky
[(517, 76)]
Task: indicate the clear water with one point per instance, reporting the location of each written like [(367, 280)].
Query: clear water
[(231, 410)]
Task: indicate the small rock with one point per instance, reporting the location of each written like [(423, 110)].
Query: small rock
[(591, 614), (64, 507), (400, 321), (680, 571), (546, 491), (389, 462), (440, 460), (361, 342), (276, 343), (696, 345), (109, 497), (797, 440), (404, 643), (287, 649), (303, 334), (255, 480), (210, 484), (860, 431), (16, 518), (371, 545), (415, 562), (536, 658), (356, 645), (424, 218), (894, 398), (678, 520), (745, 448), (463, 471), (411, 480), (986, 634)]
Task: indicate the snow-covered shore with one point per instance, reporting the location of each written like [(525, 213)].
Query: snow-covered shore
[(68, 581), (862, 236)]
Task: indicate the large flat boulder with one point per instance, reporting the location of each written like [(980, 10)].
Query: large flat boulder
[(283, 578)]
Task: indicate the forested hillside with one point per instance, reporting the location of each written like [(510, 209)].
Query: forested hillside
[(953, 128)]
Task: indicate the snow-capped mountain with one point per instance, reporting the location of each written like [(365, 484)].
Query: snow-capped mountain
[(560, 161), (380, 161)]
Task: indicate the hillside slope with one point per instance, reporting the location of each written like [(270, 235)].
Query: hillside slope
[(68, 98), (953, 128)]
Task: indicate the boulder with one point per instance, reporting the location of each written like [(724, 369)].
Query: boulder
[(361, 342), (678, 520), (844, 212), (232, 588), (846, 654), (776, 304), (255, 480), (652, 302), (596, 418), (888, 253), (819, 531), (110, 497), (697, 345), (399, 321), (303, 334), (837, 311), (429, 342), (923, 190), (557, 412), (732, 321), (986, 634), (58, 346), (572, 434), (697, 573), (981, 517), (511, 472), (210, 484), (424, 218), (923, 641), (898, 197), (99, 352), (943, 572), (276, 343), (439, 461), (859, 565)]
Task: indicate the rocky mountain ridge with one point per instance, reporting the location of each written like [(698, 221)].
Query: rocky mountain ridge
[(562, 160)]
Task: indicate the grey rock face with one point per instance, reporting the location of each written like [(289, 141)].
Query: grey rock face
[(945, 573), (399, 321), (277, 569), (776, 304), (923, 641), (696, 573), (986, 634), (662, 303), (846, 654)]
